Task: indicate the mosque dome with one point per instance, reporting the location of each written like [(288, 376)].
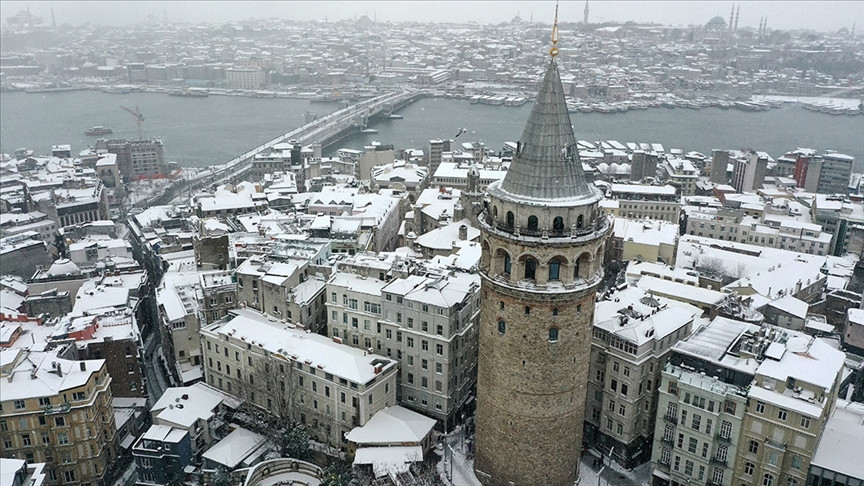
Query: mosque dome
[(717, 23), (63, 267)]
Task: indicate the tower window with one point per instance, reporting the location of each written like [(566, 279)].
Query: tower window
[(502, 326), (579, 221), (495, 212), (558, 225), (553, 335), (530, 269), (532, 223), (527, 310), (554, 270), (501, 305), (507, 264), (554, 311), (510, 220)]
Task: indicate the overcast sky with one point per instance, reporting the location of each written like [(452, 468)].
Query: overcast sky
[(816, 15)]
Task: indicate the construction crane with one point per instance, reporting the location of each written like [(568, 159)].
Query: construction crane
[(139, 119)]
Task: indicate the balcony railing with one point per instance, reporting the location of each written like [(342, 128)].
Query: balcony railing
[(723, 438), (671, 419), (717, 460), (62, 408)]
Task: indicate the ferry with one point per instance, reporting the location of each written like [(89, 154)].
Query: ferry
[(98, 130), (190, 93)]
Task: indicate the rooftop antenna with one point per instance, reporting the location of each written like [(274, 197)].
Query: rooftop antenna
[(139, 119), (554, 51)]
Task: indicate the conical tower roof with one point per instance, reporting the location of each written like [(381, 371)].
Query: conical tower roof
[(546, 165)]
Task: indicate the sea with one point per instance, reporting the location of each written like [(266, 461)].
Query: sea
[(208, 131)]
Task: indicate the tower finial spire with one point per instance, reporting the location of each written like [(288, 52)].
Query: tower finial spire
[(554, 51)]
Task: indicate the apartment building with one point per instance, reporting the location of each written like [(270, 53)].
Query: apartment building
[(701, 405), (59, 412), (632, 334), (426, 322), (682, 174), (283, 289), (296, 374), (789, 401), (637, 201)]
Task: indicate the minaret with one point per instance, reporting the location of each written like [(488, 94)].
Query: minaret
[(543, 238), (731, 18), (585, 17), (737, 14)]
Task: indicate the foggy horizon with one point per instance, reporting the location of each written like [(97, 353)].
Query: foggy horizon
[(818, 16)]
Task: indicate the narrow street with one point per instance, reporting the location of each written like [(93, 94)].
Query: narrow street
[(156, 382)]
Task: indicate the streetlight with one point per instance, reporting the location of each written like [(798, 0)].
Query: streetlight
[(603, 460)]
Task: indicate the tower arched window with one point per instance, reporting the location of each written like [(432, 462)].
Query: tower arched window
[(558, 225), (532, 223), (507, 264), (502, 326), (554, 269), (553, 334), (554, 311), (580, 221), (510, 220), (530, 269), (495, 212)]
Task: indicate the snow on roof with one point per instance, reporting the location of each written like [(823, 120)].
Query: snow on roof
[(856, 316), (842, 441), (200, 402), (712, 341), (357, 283), (235, 447), (446, 236), (646, 232), (779, 277), (791, 305), (647, 317), (47, 382), (343, 361), (806, 359), (642, 189), (393, 425), (389, 460), (675, 290), (164, 433)]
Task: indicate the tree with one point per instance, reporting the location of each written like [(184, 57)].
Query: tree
[(293, 441), (338, 473), (220, 477)]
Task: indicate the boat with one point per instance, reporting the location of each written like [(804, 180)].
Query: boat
[(116, 90), (368, 130), (190, 93), (98, 130), (394, 116)]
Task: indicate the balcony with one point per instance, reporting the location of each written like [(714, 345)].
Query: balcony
[(718, 461), (667, 440), (49, 409), (775, 444), (672, 419), (722, 438)]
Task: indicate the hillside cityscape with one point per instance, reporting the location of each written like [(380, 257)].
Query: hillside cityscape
[(548, 311)]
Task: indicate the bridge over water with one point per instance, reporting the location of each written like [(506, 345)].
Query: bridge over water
[(325, 131)]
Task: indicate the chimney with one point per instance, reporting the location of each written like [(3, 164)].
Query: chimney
[(83, 365), (463, 232)]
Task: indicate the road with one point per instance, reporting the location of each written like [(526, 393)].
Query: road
[(156, 382)]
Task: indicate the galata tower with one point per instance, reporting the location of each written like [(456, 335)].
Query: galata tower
[(543, 238)]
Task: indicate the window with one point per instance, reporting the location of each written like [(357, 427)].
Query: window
[(697, 420), (726, 429), (510, 220), (781, 414), (694, 444), (553, 335), (705, 447), (424, 382), (768, 479), (688, 468), (44, 401), (558, 225), (69, 476), (63, 438), (622, 409), (507, 264), (439, 349), (439, 368), (760, 407), (530, 269), (717, 476), (59, 421), (532, 223), (424, 345), (722, 452), (773, 458), (19, 404), (680, 443), (611, 405), (554, 269), (753, 447)]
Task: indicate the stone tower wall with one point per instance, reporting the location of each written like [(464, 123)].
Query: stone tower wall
[(531, 392)]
